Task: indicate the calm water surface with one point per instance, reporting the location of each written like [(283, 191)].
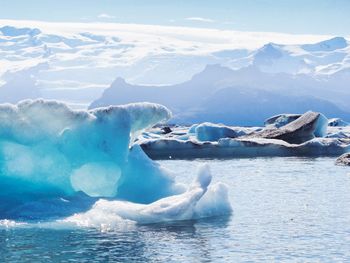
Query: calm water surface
[(285, 210)]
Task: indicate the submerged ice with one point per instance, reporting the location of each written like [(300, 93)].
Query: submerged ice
[(55, 161)]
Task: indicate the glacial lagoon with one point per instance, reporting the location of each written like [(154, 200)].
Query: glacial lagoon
[(286, 209)]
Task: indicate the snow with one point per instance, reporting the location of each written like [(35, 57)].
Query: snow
[(327, 45), (242, 97), (92, 55)]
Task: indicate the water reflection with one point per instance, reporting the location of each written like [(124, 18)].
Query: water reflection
[(189, 240)]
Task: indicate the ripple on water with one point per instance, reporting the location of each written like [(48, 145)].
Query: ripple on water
[(285, 209)]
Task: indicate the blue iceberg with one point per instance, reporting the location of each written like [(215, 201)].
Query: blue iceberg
[(55, 161)]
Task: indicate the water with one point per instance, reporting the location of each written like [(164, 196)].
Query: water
[(285, 210)]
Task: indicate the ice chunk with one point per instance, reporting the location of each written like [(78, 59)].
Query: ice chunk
[(306, 127), (192, 129), (337, 122), (200, 200), (321, 126), (242, 147), (55, 161), (213, 132), (214, 203), (55, 151), (338, 134), (144, 181), (281, 119)]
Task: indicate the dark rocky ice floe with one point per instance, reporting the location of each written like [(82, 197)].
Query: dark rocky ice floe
[(308, 135), (302, 129), (343, 160)]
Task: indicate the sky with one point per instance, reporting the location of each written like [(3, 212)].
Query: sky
[(288, 16)]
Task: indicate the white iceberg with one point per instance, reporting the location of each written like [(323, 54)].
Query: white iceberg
[(200, 200)]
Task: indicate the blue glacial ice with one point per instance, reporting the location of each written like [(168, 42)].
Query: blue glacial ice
[(213, 132), (55, 162)]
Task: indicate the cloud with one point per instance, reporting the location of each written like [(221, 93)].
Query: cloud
[(200, 19), (181, 38), (105, 16)]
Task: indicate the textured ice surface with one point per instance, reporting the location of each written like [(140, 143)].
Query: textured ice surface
[(55, 161), (321, 126), (337, 122), (242, 147), (307, 126), (306, 136), (281, 119), (344, 159), (200, 200), (213, 132)]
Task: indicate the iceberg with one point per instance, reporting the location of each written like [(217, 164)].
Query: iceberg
[(337, 122), (307, 135), (213, 132), (281, 119), (307, 126), (186, 206), (58, 161), (242, 147)]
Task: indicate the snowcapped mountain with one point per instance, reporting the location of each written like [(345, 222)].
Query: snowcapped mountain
[(322, 58), (76, 62), (327, 45), (237, 97)]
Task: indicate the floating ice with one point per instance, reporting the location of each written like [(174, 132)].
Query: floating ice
[(281, 119), (321, 126), (242, 147), (337, 122), (213, 132), (200, 200), (307, 126), (55, 161), (305, 136)]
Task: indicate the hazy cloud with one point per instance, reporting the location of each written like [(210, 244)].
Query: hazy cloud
[(200, 19), (105, 16)]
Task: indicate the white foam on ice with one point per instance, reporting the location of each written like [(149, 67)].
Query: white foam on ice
[(200, 200)]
